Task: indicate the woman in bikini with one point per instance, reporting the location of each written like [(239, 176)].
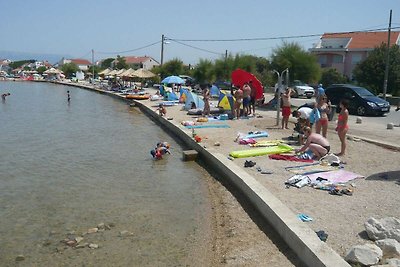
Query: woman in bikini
[(324, 109), (342, 126)]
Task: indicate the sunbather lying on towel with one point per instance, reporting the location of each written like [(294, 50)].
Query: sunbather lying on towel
[(318, 144)]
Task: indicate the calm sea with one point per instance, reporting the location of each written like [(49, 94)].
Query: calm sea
[(65, 168)]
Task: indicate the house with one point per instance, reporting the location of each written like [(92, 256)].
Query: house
[(5, 65), (144, 62), (343, 51), (83, 64)]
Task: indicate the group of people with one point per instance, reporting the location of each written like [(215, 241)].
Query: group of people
[(160, 150), (318, 116), (245, 96)]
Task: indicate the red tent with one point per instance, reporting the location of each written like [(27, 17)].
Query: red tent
[(240, 77)]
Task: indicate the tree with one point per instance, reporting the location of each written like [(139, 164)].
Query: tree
[(41, 69), (106, 63), (96, 70), (302, 65), (370, 73), (172, 67), (17, 64), (121, 63), (332, 76), (203, 72), (69, 69)]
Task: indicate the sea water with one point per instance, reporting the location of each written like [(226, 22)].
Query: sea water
[(66, 167)]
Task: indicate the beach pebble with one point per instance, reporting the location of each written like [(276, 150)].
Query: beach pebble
[(390, 126), (217, 144), (20, 258), (368, 254), (71, 243), (101, 226), (359, 120), (78, 239), (93, 230), (93, 246), (83, 245), (125, 233)]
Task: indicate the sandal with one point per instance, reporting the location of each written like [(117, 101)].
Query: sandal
[(347, 191), (336, 191)]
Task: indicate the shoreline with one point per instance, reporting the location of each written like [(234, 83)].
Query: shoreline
[(334, 219)]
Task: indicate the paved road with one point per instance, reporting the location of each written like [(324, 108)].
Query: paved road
[(372, 127)]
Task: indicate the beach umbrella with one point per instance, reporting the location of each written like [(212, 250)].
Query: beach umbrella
[(173, 79), (119, 72), (105, 72), (142, 73), (240, 77)]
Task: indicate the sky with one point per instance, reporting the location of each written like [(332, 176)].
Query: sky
[(135, 28)]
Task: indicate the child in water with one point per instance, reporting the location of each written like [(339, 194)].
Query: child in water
[(161, 149)]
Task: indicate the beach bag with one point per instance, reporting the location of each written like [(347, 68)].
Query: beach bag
[(315, 116)]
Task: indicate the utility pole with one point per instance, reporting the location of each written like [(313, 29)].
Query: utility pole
[(385, 80), (226, 64), (162, 50), (93, 66)]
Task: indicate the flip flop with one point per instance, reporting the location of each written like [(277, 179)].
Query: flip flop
[(322, 235), (304, 217)]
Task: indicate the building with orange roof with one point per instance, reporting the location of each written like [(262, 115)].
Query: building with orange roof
[(343, 51), (83, 64), (134, 62)]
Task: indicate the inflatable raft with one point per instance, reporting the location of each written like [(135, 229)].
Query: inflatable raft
[(137, 96), (279, 149)]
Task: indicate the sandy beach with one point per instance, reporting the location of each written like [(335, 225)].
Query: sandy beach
[(342, 217), (240, 237)]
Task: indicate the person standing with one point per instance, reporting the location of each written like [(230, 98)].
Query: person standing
[(342, 126), (320, 92), (206, 99), (238, 102), (252, 107), (324, 109), (246, 99), (286, 103), (3, 96)]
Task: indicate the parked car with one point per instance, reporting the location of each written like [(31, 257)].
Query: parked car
[(302, 89), (223, 85), (189, 81), (361, 100)]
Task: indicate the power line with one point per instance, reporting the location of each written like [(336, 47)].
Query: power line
[(195, 47), (274, 38), (132, 50)]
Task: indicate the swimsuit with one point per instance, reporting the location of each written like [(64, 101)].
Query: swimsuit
[(340, 126), (328, 148), (286, 111)]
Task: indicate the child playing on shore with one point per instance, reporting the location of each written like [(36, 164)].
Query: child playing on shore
[(161, 110)]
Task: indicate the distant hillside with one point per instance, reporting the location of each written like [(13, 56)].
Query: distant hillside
[(12, 55)]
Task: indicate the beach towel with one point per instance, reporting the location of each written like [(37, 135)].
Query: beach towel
[(289, 158), (311, 168), (335, 177), (208, 126)]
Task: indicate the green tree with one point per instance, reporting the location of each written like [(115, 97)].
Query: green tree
[(331, 76), (302, 65), (121, 63), (69, 69), (41, 69), (172, 67), (19, 63), (370, 72), (106, 63), (204, 71), (96, 70)]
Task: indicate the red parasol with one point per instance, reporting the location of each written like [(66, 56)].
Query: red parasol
[(240, 77)]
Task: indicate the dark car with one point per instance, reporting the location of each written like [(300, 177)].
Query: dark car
[(361, 101)]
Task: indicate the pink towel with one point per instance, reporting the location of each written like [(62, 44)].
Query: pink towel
[(288, 157)]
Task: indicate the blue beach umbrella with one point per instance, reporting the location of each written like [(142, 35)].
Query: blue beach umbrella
[(173, 79)]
